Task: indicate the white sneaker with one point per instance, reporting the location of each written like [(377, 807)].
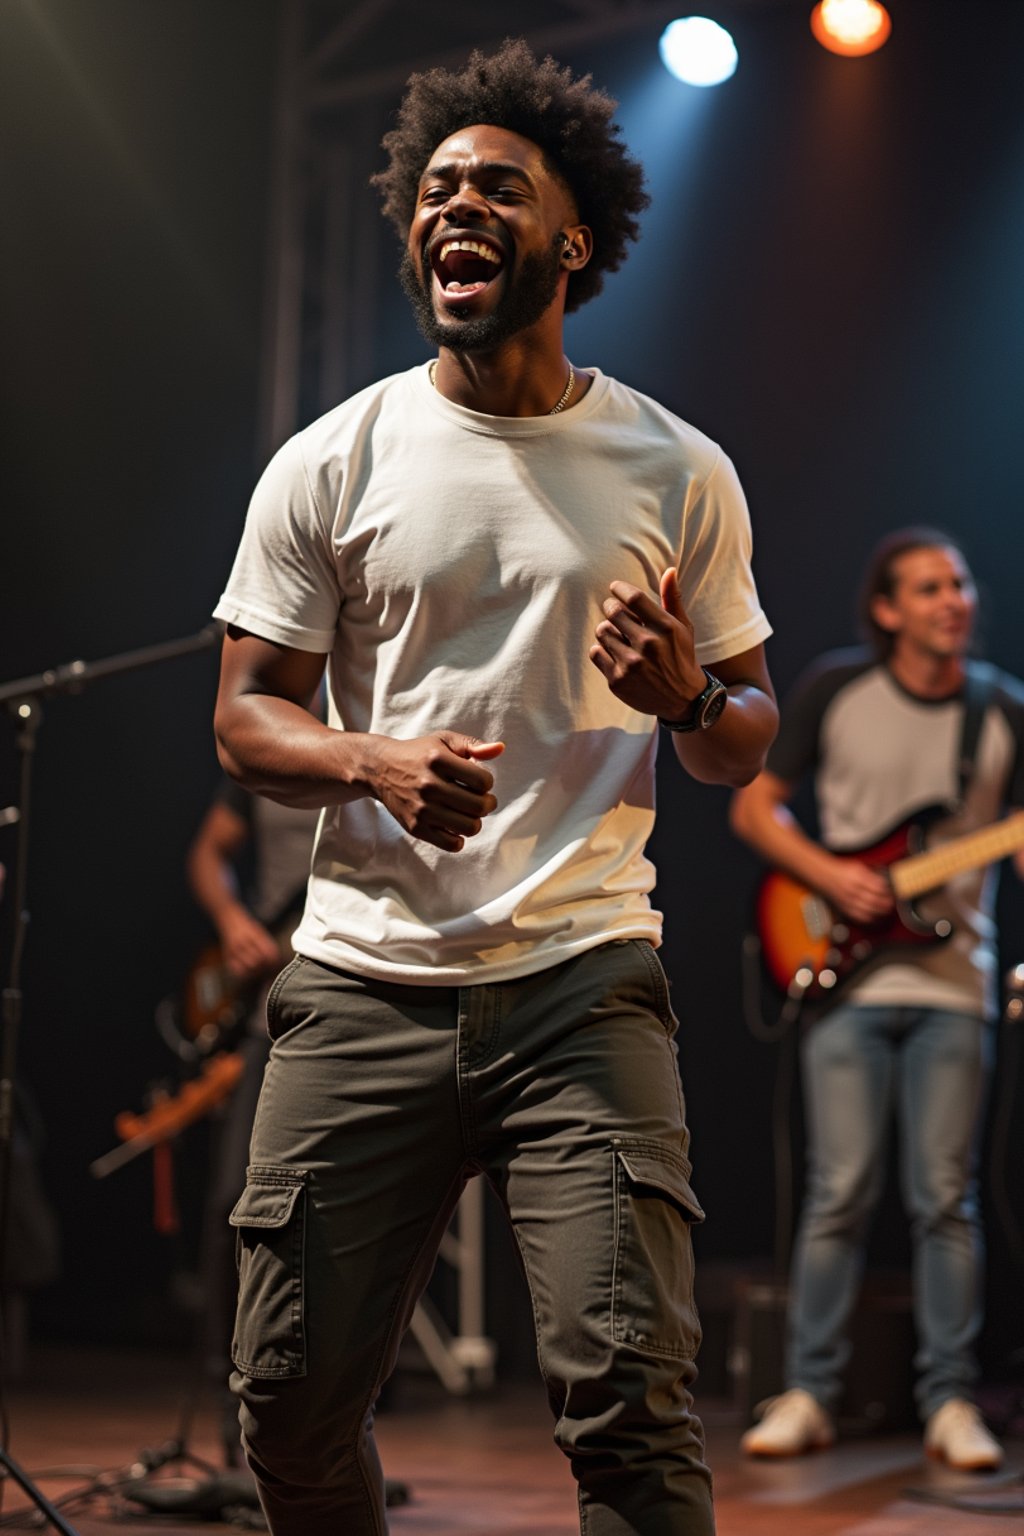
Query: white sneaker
[(956, 1434), (790, 1425)]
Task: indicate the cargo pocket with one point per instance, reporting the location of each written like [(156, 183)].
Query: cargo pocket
[(652, 1279), (270, 1218)]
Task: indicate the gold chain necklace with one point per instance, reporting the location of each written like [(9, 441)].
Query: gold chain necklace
[(562, 403)]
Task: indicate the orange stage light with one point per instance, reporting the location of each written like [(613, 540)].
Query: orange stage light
[(850, 27)]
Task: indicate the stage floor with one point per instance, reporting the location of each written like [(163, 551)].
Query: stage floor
[(481, 1466)]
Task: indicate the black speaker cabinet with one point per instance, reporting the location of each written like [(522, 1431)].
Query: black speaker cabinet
[(878, 1391)]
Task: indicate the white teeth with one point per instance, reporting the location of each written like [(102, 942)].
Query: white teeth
[(472, 246)]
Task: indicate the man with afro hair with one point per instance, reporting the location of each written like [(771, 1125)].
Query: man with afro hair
[(513, 569)]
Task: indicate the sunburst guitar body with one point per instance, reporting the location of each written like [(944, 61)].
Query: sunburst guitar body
[(811, 947)]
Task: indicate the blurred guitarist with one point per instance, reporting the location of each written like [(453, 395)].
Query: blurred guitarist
[(909, 723), (273, 842)]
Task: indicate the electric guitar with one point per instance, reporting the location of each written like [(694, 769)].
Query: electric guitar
[(168, 1113), (809, 946), (214, 1003), (203, 1025)]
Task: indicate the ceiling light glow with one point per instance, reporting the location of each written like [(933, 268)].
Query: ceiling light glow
[(850, 27), (698, 51)]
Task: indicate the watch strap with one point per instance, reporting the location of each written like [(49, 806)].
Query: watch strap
[(695, 720)]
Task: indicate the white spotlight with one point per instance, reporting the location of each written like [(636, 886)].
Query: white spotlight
[(698, 51)]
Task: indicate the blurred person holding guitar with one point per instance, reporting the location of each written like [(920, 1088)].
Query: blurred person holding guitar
[(898, 943)]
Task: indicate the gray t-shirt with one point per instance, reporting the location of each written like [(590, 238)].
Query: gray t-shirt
[(879, 755)]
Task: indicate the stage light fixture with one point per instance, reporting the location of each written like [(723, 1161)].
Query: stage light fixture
[(698, 51), (850, 27)]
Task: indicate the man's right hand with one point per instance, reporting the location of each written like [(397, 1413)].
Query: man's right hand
[(249, 949), (858, 890), (433, 785), (269, 742)]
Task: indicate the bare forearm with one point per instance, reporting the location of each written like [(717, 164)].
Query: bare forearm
[(733, 750), (770, 828), (212, 882), (276, 748), (760, 815)]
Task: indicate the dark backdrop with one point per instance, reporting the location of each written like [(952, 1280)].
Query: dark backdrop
[(829, 283)]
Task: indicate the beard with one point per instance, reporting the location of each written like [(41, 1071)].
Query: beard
[(532, 290)]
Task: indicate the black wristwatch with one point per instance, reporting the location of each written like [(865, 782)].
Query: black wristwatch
[(706, 709)]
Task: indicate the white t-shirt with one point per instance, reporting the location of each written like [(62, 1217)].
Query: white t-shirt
[(453, 565)]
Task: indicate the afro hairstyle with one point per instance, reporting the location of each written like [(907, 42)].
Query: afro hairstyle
[(570, 122)]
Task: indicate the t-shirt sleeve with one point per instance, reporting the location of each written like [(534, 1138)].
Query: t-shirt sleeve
[(1010, 698), (283, 585), (715, 575), (796, 749)]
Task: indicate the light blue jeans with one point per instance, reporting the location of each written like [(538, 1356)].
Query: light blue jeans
[(863, 1067)]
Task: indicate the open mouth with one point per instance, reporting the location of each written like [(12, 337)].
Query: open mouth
[(465, 266)]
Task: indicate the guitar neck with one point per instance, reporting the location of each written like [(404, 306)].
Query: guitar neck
[(926, 871)]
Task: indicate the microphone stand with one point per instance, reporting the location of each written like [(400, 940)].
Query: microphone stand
[(22, 700)]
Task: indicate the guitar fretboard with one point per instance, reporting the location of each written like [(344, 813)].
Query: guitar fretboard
[(927, 871)]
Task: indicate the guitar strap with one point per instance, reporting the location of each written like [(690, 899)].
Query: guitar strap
[(977, 691)]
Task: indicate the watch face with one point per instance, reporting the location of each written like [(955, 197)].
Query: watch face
[(713, 708)]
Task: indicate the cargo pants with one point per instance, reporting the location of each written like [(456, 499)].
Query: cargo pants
[(380, 1100)]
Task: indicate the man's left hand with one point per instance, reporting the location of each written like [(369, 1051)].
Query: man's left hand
[(645, 649)]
